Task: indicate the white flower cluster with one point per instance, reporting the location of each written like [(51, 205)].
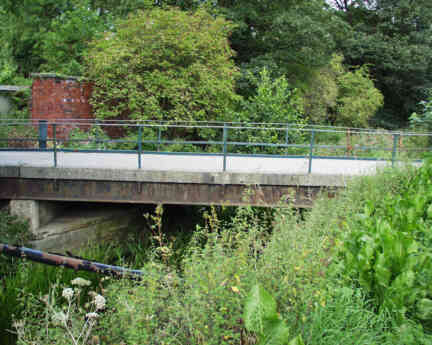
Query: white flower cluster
[(92, 315), (99, 302), (68, 293), (59, 317), (80, 282)]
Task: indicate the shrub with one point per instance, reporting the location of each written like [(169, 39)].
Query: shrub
[(386, 248), (164, 64)]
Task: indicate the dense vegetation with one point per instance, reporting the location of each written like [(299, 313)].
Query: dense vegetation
[(353, 270), (352, 62)]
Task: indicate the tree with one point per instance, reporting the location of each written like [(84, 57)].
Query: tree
[(52, 35), (358, 99), (394, 37), (165, 65), (423, 119), (294, 39), (274, 101), (340, 95), (64, 45), (23, 25)]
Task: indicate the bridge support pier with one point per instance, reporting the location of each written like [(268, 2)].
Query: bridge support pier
[(57, 226), (37, 212)]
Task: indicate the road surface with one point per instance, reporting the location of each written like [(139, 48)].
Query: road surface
[(192, 163)]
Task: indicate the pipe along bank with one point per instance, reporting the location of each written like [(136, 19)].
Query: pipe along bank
[(77, 264)]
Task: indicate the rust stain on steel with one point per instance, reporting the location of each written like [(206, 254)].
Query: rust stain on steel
[(167, 193)]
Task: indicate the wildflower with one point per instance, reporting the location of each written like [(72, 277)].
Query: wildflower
[(92, 315), (18, 324), (59, 317), (80, 282), (68, 293), (99, 301)]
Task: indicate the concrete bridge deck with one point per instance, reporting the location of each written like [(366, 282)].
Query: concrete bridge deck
[(173, 179)]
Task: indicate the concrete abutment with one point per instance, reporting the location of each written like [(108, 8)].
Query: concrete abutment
[(62, 226)]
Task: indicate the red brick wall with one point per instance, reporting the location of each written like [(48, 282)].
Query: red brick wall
[(56, 98)]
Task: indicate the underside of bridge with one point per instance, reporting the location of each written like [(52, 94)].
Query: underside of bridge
[(42, 194)]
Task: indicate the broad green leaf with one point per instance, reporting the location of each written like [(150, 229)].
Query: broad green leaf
[(298, 340), (424, 309), (382, 272), (429, 211), (275, 333), (260, 308)]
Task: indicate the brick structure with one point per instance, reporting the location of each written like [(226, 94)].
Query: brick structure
[(57, 97)]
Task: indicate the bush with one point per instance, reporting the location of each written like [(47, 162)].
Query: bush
[(387, 245), (164, 64)]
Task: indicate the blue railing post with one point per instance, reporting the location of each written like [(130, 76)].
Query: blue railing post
[(159, 138), (54, 126), (139, 145), (287, 137), (395, 143), (43, 133), (225, 138), (311, 151)]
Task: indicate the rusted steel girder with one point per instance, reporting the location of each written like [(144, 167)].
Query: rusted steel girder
[(154, 193), (68, 262)]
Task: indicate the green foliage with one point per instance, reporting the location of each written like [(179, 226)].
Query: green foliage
[(358, 99), (64, 45), (341, 96), (164, 65), (217, 288), (92, 138), (261, 317), (284, 31), (8, 66), (273, 102), (423, 120), (25, 136), (13, 230), (394, 38), (61, 317), (386, 248)]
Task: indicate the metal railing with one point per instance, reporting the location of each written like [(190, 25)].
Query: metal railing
[(225, 139)]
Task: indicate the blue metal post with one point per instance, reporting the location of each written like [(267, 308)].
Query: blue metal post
[(395, 143), (225, 137), (311, 151), (43, 133), (139, 146), (159, 138), (286, 138), (55, 144)]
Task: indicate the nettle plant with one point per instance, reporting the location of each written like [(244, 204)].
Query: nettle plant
[(63, 320), (387, 249), (261, 318)]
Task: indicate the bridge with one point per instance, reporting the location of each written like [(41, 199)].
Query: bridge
[(184, 163)]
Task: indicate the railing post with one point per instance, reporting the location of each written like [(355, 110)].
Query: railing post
[(348, 142), (139, 145), (225, 137), (311, 151), (286, 138), (54, 126), (43, 131), (395, 143), (159, 138)]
